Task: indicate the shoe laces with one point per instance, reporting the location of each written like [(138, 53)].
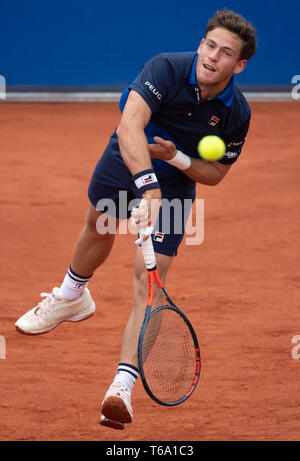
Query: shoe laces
[(118, 387), (46, 304)]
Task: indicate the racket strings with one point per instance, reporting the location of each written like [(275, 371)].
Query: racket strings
[(168, 355)]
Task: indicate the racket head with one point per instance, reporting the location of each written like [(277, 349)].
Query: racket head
[(169, 356)]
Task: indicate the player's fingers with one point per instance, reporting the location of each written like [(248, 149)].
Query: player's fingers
[(159, 140), (163, 142), (141, 222), (140, 216), (156, 150), (134, 222), (141, 240), (144, 235), (154, 147)]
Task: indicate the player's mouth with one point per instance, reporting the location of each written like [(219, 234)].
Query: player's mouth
[(209, 67)]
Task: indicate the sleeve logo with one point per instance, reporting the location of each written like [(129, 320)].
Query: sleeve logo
[(154, 90)]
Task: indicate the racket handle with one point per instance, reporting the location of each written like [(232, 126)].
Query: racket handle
[(149, 255), (147, 246)]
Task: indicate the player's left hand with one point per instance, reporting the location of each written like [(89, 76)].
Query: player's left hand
[(164, 149)]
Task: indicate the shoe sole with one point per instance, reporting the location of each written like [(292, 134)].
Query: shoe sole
[(114, 408), (112, 424), (42, 332)]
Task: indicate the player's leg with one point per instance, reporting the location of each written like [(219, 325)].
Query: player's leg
[(140, 289), (170, 230), (91, 250), (72, 301), (116, 408)]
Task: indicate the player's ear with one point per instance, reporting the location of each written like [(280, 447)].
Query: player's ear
[(240, 66), (200, 46)]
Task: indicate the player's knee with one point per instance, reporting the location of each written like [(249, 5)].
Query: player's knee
[(141, 283), (99, 224), (90, 225)]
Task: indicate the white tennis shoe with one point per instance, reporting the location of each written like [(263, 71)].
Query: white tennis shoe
[(54, 310), (116, 405)]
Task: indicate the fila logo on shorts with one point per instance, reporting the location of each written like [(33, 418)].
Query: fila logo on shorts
[(213, 121), (158, 237)]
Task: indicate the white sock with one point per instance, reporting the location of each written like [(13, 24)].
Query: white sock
[(73, 285), (127, 375)]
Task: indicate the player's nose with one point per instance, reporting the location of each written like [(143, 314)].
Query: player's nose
[(214, 55)]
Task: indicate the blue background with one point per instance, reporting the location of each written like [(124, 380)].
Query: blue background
[(95, 43)]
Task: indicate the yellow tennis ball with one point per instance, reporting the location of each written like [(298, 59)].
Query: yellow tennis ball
[(211, 148)]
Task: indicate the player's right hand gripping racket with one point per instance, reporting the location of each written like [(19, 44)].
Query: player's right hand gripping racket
[(168, 350)]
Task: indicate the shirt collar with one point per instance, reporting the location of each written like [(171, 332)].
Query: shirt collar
[(227, 94), (192, 79)]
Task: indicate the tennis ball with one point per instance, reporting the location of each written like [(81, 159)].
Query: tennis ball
[(211, 148)]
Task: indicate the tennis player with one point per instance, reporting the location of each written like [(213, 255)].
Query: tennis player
[(176, 99)]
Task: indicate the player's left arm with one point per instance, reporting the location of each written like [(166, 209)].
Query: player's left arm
[(208, 173)]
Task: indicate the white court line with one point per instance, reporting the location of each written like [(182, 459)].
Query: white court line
[(115, 97), (62, 97)]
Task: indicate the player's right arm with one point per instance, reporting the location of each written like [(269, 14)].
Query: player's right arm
[(135, 153), (131, 136)]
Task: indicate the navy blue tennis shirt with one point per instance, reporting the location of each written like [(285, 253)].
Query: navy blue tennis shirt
[(168, 84)]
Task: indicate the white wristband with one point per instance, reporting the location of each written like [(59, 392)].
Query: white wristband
[(181, 161)]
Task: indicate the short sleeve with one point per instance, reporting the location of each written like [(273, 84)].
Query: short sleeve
[(234, 143), (155, 82)]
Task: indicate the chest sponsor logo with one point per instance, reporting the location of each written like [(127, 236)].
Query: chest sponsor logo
[(214, 120), (154, 90)]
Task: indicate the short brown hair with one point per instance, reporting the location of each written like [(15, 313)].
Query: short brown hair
[(235, 23)]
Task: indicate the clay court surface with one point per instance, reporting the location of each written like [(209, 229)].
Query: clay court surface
[(240, 287)]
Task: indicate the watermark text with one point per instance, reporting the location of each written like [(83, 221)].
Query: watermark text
[(2, 348), (176, 217), (2, 87), (296, 349), (296, 89)]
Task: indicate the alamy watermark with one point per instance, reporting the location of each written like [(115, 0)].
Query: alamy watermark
[(2, 347), (296, 89), (176, 217), (296, 349), (2, 87)]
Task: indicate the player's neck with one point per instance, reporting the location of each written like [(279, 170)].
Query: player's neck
[(211, 91)]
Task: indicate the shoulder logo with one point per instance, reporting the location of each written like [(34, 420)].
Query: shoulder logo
[(214, 120)]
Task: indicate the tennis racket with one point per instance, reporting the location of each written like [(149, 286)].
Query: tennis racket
[(168, 350)]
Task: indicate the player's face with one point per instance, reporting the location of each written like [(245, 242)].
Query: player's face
[(219, 58)]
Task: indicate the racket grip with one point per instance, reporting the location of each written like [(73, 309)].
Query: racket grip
[(149, 255), (147, 246)]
